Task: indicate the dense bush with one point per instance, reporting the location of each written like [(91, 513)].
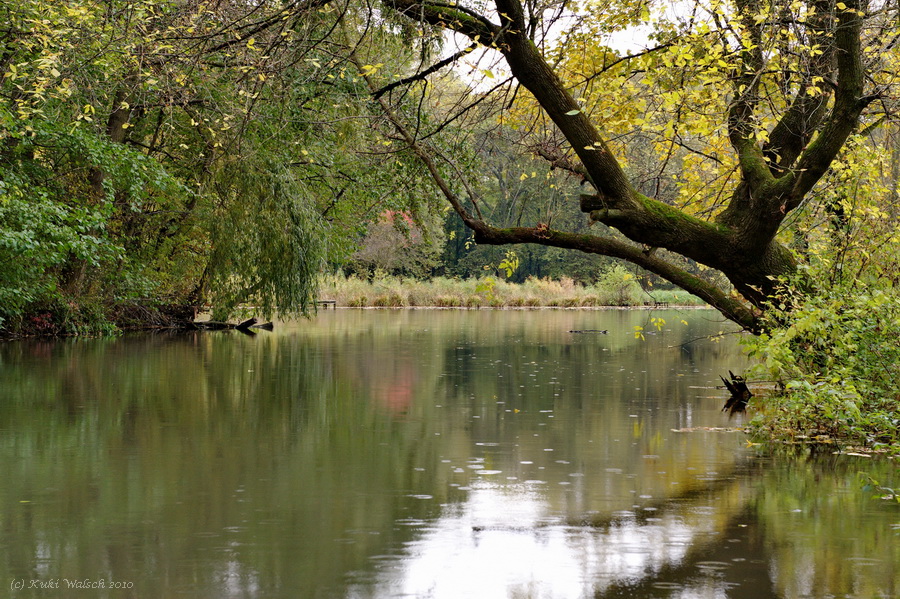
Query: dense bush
[(838, 359)]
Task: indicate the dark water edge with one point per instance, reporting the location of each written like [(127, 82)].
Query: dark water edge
[(425, 453)]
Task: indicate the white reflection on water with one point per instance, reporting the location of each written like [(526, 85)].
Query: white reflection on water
[(504, 542)]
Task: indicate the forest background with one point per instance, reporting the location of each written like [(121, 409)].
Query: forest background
[(160, 157)]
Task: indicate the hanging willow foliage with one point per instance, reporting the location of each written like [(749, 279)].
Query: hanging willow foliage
[(267, 243)]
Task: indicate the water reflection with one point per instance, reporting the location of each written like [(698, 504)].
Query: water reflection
[(426, 454), (502, 542), (505, 541)]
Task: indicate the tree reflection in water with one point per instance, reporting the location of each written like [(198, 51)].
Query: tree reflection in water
[(433, 454)]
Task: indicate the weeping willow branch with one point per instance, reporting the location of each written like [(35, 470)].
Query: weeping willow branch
[(267, 242)]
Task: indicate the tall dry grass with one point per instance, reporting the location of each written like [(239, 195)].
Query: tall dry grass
[(616, 288)]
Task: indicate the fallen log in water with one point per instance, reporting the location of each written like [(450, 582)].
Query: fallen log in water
[(246, 324), (243, 327)]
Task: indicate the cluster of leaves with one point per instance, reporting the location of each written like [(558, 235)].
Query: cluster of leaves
[(67, 245), (836, 353)]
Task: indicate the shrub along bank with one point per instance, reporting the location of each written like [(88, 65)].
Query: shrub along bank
[(839, 363)]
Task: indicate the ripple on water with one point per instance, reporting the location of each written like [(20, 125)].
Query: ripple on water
[(668, 586), (623, 515), (863, 561), (415, 522), (713, 566)]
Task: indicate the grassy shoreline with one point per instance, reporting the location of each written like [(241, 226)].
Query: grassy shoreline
[(616, 289)]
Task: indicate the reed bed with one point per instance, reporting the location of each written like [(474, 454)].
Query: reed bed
[(615, 289)]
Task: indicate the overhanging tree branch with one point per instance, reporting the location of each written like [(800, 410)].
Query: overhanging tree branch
[(421, 75), (777, 167), (731, 307)]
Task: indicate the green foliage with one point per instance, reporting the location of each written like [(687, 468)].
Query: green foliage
[(833, 345), (152, 156), (509, 264), (618, 287), (836, 353), (265, 239), (38, 236), (60, 243)]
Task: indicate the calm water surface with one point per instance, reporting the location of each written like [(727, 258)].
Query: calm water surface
[(445, 454)]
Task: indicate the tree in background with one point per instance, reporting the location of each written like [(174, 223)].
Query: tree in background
[(739, 109), (396, 245)]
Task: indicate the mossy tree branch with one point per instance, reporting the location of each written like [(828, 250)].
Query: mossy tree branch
[(730, 306), (777, 168)]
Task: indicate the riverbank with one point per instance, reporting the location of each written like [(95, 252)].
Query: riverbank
[(614, 289)]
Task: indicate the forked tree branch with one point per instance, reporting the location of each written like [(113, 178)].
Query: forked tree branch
[(730, 306)]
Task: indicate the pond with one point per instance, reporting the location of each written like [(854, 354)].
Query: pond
[(426, 453)]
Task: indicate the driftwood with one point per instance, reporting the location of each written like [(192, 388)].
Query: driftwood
[(242, 327), (246, 324), (740, 394)]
